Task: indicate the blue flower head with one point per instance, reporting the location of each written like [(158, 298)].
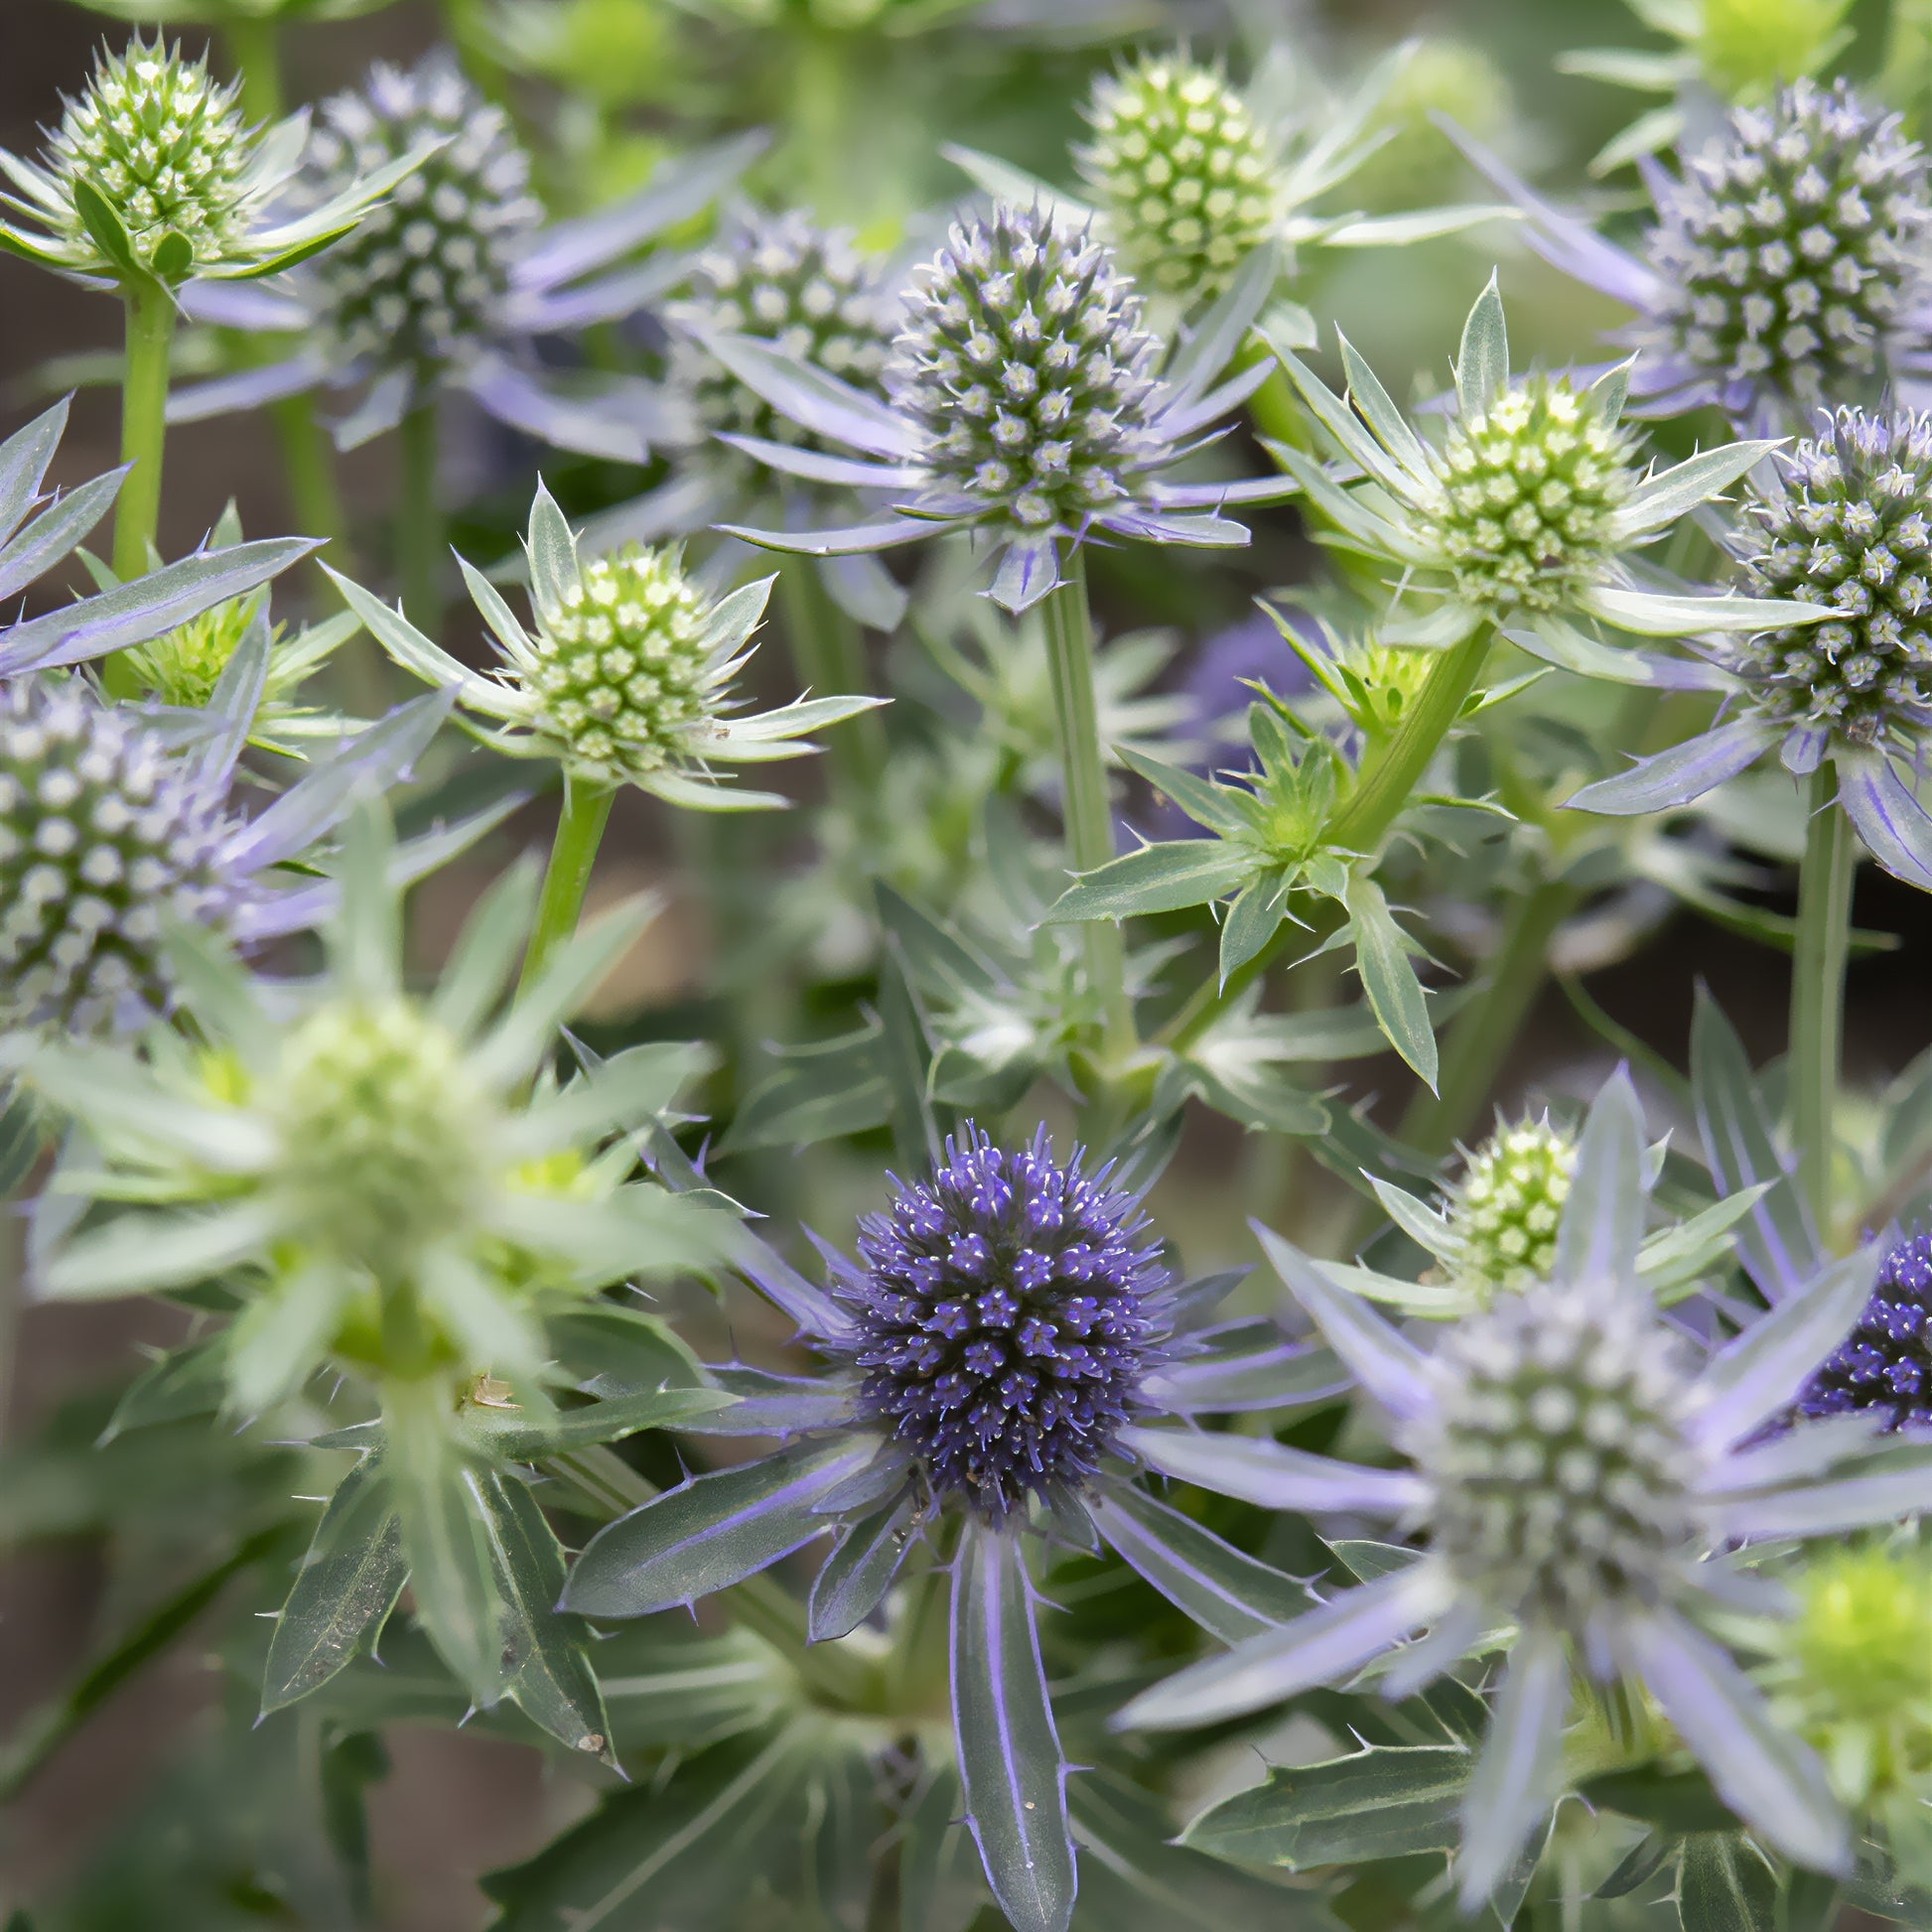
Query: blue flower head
[(1883, 1367), (1005, 1319)]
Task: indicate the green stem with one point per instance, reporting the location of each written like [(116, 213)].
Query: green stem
[(465, 29), (419, 520), (579, 830), (1818, 987), (821, 105), (255, 56), (1485, 1031), (828, 654), (1083, 775), (837, 1671), (1388, 775), (309, 467), (45, 1729)]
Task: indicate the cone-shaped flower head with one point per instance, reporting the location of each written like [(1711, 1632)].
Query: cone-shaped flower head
[(1792, 248), (1008, 1319), (1557, 1454), (1849, 525), (1579, 1474), (104, 837), (1883, 1367), (1026, 368), (380, 1124), (782, 279), (1504, 1210), (1860, 1636), (1181, 171), (163, 143), (627, 676), (1531, 488), (427, 272)]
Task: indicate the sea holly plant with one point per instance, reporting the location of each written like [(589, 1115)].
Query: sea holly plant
[(382, 1193), (1578, 1477), (986, 1364), (152, 181), (1188, 178)]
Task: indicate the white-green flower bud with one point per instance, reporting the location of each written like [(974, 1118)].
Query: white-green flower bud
[(379, 1125), (184, 665), (780, 278), (1503, 1211), (1027, 369), (1530, 488), (1181, 171), (102, 841), (1557, 1454), (1792, 248), (623, 671), (164, 145), (426, 272)]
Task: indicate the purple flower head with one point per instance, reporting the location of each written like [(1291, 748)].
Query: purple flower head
[(1006, 1320), (1885, 1366)]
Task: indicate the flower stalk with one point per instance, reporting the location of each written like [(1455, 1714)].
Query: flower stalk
[(828, 656), (150, 310), (1089, 815), (419, 519), (573, 853), (1817, 986)]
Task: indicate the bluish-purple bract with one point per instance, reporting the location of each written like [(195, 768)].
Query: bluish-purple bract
[(1006, 1318), (1886, 1364)]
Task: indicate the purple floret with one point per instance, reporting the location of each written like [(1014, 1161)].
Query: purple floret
[(1884, 1364), (1007, 1320)]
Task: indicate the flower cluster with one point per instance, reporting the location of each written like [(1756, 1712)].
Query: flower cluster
[(424, 274), (1847, 527), (1883, 1367), (164, 143), (1505, 1206), (1008, 1320), (1183, 171)]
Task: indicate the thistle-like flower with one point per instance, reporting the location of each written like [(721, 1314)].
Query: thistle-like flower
[(817, 297), (1002, 1337), (1183, 172), (154, 176), (449, 284), (372, 1175), (1027, 407), (626, 679), (1189, 177), (1576, 1475), (1884, 1368), (1505, 1206), (1525, 516), (1786, 268), (107, 837), (1844, 526)]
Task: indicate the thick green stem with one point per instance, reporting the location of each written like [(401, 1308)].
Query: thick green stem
[(828, 656), (579, 830), (1382, 788), (1485, 1031), (255, 54), (144, 433), (419, 520), (837, 1671), (1083, 778), (1818, 987)]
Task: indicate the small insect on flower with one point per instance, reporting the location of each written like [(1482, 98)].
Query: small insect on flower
[(990, 1360), (152, 174), (1786, 267), (448, 284), (1884, 1368), (1028, 406), (626, 679), (1578, 1475), (1842, 525)]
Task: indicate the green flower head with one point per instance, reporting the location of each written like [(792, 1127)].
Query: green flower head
[(1504, 1209), (626, 677)]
